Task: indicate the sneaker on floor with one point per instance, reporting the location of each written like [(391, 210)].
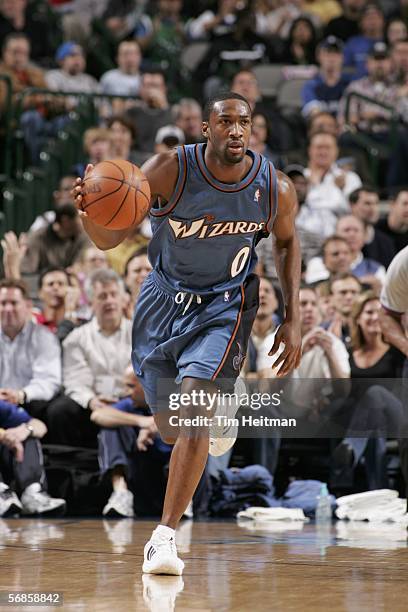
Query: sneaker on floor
[(9, 502), (37, 501), (160, 555), (160, 593), (120, 504), (224, 432)]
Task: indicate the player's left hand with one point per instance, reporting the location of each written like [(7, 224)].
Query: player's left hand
[(288, 334)]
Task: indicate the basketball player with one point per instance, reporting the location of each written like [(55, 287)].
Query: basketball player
[(394, 301), (210, 203)]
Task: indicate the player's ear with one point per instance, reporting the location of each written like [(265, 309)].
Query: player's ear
[(204, 129)]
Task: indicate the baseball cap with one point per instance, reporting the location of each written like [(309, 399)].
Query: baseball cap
[(66, 49), (169, 135), (294, 170), (379, 51), (332, 43)]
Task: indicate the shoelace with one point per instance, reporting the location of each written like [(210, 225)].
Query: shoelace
[(161, 540), (180, 297)]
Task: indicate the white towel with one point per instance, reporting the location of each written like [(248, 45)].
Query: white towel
[(272, 514)]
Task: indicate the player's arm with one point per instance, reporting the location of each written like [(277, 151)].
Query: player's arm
[(160, 170), (286, 249), (393, 331)]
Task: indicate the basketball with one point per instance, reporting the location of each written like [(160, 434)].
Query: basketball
[(116, 194)]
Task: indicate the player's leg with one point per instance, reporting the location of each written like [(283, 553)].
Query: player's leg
[(187, 463)]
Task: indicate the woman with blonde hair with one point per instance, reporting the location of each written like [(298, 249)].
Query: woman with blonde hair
[(376, 411)]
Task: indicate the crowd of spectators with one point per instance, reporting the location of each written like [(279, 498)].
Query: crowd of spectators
[(65, 329)]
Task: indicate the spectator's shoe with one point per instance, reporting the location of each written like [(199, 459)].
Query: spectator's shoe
[(343, 456), (160, 593), (37, 501), (224, 430), (120, 504), (160, 555), (9, 502)]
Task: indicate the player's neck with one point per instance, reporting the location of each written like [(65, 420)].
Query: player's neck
[(227, 173)]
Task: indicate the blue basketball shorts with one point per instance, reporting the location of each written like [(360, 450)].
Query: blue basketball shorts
[(179, 335)]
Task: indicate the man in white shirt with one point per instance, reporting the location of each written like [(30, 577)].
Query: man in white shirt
[(30, 356), (329, 185), (71, 75), (95, 356), (125, 79), (394, 300)]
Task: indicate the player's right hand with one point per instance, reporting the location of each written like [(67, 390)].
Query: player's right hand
[(77, 191)]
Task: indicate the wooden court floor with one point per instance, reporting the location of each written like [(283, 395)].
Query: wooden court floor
[(96, 564)]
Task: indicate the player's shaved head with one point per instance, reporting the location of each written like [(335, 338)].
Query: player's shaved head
[(226, 95)]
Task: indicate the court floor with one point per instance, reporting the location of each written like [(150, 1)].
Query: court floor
[(96, 565)]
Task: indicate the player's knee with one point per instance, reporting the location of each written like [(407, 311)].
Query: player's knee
[(171, 440)]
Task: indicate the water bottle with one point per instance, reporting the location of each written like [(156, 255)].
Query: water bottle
[(323, 509)]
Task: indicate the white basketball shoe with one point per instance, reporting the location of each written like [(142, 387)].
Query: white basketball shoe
[(160, 554), (224, 430)]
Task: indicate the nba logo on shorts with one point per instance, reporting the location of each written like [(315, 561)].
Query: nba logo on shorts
[(226, 296)]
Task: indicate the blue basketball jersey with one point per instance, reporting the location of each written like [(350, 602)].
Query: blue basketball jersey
[(204, 238)]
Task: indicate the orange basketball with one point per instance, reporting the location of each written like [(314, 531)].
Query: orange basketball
[(116, 194)]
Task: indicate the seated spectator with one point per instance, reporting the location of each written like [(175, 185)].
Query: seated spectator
[(30, 356), (16, 63), (246, 84), (395, 224), (209, 24), (344, 289), (125, 79), (260, 138), (278, 21), (310, 240), (346, 25), (329, 185), (233, 51), (21, 462), (137, 268), (300, 48), (373, 408), (323, 121), (399, 60), (323, 92), (71, 75), (122, 18), (127, 433), (337, 259), (168, 137), (59, 244), (59, 300), (263, 332), (368, 271), (23, 17), (395, 31), (188, 117), (324, 301), (163, 42), (365, 205), (323, 353), (122, 139), (357, 48), (97, 144), (62, 195), (137, 238), (95, 356), (365, 116), (42, 116), (152, 111), (323, 10)]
